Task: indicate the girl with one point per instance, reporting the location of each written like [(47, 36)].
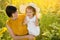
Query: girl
[(32, 21)]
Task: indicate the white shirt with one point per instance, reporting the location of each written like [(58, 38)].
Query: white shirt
[(32, 28)]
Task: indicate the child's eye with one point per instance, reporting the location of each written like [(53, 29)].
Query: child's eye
[(29, 12)]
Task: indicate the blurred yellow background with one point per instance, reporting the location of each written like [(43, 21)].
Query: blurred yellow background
[(44, 5), (49, 22)]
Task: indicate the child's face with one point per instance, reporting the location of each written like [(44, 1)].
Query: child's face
[(29, 12)]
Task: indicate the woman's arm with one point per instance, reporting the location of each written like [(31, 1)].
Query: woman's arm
[(10, 31), (18, 37)]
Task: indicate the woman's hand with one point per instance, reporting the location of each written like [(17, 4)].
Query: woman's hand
[(30, 37)]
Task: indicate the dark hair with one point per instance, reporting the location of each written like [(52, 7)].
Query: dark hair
[(10, 10), (32, 8)]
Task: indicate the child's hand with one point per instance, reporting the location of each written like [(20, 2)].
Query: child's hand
[(25, 21)]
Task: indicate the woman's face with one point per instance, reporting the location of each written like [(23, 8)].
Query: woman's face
[(15, 15), (29, 12)]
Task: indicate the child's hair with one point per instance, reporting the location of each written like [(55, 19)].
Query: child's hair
[(10, 10), (32, 8)]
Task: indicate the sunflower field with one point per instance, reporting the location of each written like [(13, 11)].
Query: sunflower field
[(49, 18)]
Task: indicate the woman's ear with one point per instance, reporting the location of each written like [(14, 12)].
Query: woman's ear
[(12, 14)]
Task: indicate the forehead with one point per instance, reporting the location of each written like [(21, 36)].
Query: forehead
[(29, 10)]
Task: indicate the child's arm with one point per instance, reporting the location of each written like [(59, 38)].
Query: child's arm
[(25, 21), (36, 22), (18, 37)]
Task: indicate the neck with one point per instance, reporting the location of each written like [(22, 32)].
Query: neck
[(30, 16), (13, 18)]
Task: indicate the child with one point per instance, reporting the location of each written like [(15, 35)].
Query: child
[(32, 21)]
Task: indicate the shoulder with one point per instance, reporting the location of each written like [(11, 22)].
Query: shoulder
[(36, 16), (8, 21), (22, 14), (21, 17)]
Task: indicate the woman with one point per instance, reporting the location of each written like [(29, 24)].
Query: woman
[(15, 24)]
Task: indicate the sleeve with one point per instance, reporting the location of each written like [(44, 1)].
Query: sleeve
[(7, 22)]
